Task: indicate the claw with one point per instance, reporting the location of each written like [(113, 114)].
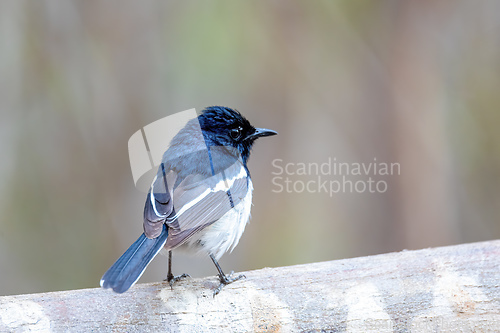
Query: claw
[(173, 279), (225, 280)]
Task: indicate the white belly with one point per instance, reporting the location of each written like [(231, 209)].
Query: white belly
[(225, 233)]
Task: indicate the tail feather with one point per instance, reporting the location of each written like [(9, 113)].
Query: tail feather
[(129, 267)]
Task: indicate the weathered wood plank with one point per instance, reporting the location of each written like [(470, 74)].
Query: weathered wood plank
[(455, 288)]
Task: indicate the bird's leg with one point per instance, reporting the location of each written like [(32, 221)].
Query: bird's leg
[(223, 278), (170, 277)]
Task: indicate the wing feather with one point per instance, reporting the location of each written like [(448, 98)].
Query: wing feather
[(189, 203), (159, 203), (201, 204)]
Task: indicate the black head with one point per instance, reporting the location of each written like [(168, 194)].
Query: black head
[(223, 126)]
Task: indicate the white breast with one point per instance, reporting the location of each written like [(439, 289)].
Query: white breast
[(223, 235)]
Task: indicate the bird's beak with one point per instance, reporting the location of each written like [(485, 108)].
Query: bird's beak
[(260, 132)]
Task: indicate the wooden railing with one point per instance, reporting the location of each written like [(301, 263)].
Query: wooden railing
[(447, 289)]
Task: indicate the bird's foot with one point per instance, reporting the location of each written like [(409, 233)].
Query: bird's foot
[(173, 279), (227, 279)]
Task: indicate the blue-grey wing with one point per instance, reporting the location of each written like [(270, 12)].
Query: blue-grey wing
[(199, 202), (189, 202), (159, 204)]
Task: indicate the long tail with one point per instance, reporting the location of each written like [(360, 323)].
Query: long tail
[(129, 267)]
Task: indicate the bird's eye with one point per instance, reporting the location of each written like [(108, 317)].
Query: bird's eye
[(235, 133)]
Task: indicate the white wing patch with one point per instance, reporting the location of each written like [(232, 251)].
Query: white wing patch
[(153, 200), (222, 185)]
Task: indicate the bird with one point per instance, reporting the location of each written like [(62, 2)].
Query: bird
[(200, 199)]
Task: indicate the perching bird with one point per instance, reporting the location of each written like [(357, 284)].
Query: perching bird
[(200, 198)]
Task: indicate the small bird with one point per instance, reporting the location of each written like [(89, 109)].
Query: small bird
[(200, 199)]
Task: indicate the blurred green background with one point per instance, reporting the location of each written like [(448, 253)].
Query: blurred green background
[(409, 82)]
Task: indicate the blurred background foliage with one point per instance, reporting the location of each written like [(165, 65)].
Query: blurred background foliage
[(411, 82)]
